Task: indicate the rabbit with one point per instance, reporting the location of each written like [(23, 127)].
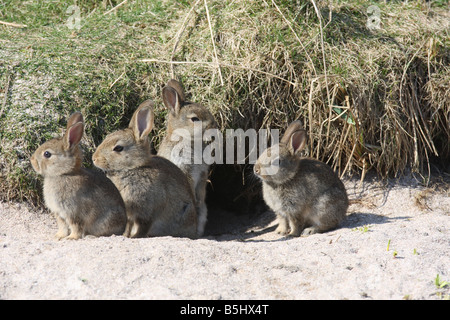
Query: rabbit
[(158, 197), (84, 202), (183, 117), (306, 195)]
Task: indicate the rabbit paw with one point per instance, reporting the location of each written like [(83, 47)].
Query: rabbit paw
[(309, 231), (73, 236), (295, 233), (60, 235), (281, 229)]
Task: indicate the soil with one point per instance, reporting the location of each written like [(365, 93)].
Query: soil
[(395, 244)]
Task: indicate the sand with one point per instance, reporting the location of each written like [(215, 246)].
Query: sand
[(393, 245)]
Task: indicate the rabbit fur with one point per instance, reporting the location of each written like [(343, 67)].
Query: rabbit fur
[(84, 202), (158, 197), (306, 194), (184, 115)]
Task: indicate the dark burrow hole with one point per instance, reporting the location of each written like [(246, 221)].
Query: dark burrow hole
[(234, 200)]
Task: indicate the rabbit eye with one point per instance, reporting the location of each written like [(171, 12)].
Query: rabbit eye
[(118, 148), (195, 119), (47, 154)]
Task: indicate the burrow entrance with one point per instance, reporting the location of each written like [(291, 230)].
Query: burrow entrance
[(234, 199)]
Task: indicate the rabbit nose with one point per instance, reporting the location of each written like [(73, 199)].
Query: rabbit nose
[(257, 169)]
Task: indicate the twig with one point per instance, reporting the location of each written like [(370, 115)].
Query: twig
[(214, 45), (12, 24), (296, 36), (220, 64), (174, 62), (259, 71), (426, 136), (115, 8), (350, 158), (310, 111), (324, 67), (8, 80), (178, 37), (115, 81)]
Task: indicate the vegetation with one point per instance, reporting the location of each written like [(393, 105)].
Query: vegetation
[(370, 85)]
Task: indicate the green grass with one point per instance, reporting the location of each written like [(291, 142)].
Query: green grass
[(271, 77), (363, 229), (54, 71), (442, 286), (440, 283)]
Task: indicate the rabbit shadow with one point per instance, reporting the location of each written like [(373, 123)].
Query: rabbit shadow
[(250, 228), (256, 224), (361, 219), (228, 226)]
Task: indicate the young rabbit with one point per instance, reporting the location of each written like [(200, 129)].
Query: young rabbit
[(184, 116), (302, 192), (84, 202), (158, 197)]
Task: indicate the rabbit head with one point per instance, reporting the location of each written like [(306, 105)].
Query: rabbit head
[(128, 148), (183, 114), (279, 163), (60, 156)]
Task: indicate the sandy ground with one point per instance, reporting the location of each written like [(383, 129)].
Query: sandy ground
[(393, 245)]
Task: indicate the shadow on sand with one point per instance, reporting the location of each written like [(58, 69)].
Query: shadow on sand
[(232, 227)]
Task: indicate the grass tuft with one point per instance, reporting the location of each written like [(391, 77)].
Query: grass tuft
[(370, 99)]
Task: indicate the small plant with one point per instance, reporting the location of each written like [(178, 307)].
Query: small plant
[(439, 283), (443, 296), (362, 229), (395, 253)]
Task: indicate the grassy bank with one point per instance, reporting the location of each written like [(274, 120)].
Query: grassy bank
[(371, 87)]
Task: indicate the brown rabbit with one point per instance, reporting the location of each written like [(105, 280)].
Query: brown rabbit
[(158, 197), (184, 116), (302, 192), (84, 202)]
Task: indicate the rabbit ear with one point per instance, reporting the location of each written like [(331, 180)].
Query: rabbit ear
[(172, 100), (142, 121), (179, 89), (73, 135), (294, 126), (297, 141), (74, 118), (146, 104), (295, 137)]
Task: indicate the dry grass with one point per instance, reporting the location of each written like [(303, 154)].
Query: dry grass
[(370, 99)]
